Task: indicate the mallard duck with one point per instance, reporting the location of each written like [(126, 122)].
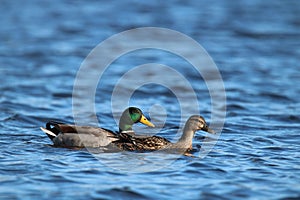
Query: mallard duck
[(151, 143), (71, 136)]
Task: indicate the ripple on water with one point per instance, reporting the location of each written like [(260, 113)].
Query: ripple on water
[(126, 192)]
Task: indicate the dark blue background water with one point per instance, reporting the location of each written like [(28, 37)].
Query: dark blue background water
[(255, 44)]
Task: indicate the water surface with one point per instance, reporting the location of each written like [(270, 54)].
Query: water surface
[(255, 46)]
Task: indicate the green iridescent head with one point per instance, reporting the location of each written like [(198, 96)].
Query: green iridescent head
[(131, 116)]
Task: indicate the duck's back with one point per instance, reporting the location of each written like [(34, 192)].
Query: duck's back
[(141, 143)]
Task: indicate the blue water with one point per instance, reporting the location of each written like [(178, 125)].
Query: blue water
[(255, 45)]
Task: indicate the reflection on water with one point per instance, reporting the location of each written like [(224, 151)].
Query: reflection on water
[(43, 45)]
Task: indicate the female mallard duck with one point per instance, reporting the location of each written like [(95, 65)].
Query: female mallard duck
[(151, 143), (64, 135)]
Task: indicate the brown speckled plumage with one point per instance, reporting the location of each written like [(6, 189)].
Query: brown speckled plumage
[(152, 143), (140, 143)]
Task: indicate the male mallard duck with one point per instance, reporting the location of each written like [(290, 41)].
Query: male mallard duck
[(65, 135), (151, 143)]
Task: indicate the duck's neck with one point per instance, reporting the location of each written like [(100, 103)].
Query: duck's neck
[(125, 127), (187, 137), (125, 123)]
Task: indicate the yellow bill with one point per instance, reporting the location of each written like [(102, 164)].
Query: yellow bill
[(145, 121)]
